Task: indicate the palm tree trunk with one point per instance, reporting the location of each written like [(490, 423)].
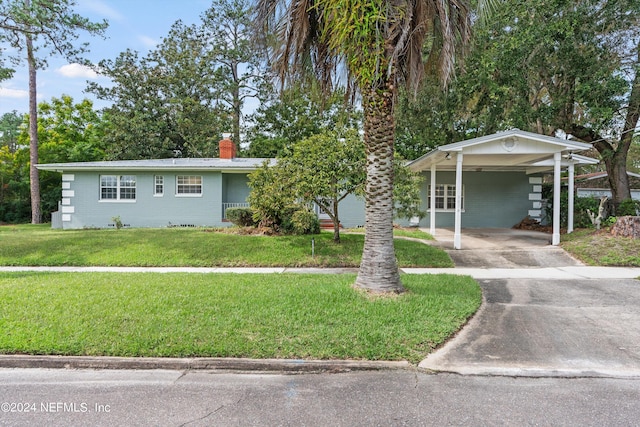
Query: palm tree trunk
[(34, 177), (379, 268)]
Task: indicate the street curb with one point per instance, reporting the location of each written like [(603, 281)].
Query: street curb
[(199, 363)]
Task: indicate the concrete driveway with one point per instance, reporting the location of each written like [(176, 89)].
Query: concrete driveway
[(539, 326), (503, 248)]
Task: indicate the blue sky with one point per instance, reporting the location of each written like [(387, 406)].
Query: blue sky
[(133, 24)]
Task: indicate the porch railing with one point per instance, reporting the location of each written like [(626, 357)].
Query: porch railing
[(226, 206)]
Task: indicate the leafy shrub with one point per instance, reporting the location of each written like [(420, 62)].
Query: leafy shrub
[(270, 197), (580, 205), (304, 221), (580, 217), (242, 217), (628, 207), (117, 222)]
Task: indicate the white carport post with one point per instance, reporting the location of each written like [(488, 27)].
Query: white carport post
[(571, 190), (432, 203), (457, 238), (557, 158)]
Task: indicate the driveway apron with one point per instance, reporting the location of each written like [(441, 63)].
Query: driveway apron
[(542, 327)]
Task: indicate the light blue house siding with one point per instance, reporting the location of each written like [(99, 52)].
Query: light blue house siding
[(156, 202), (491, 199), (350, 212), (235, 188)]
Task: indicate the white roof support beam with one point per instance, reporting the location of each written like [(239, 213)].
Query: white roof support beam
[(557, 158), (571, 196), (457, 236), (432, 198)]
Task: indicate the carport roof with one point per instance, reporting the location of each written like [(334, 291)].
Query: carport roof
[(509, 150)]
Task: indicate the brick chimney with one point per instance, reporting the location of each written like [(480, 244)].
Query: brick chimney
[(227, 147)]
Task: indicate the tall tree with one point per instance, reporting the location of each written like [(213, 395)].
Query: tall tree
[(229, 33), (67, 132), (5, 72), (380, 45), (30, 26), (9, 130), (576, 73), (294, 115), (167, 103)]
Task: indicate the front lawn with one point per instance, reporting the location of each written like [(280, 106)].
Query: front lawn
[(601, 248), (174, 247), (226, 315)]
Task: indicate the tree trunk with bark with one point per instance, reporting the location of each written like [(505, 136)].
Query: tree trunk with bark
[(237, 103), (379, 268), (336, 221), (34, 177)]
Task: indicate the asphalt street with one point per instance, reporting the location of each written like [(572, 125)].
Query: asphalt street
[(388, 398)]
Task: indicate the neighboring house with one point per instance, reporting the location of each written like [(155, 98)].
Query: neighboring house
[(492, 181), (597, 185)]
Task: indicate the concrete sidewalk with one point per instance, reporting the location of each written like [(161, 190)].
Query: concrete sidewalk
[(567, 272)]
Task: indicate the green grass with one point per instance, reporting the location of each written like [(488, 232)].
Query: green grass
[(225, 315), (40, 245), (601, 248), (415, 233)]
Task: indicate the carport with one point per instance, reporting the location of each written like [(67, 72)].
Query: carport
[(512, 150)]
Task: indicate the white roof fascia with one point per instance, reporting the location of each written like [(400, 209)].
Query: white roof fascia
[(199, 165), (584, 160), (565, 143), (546, 165), (433, 156), (439, 154)]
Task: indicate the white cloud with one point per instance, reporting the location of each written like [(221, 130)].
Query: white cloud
[(13, 93), (77, 70), (148, 41), (103, 9)]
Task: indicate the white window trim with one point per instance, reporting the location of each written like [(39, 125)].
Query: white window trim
[(190, 194), (446, 189), (117, 199), (155, 186)]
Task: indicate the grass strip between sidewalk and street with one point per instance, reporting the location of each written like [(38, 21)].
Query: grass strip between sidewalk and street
[(29, 245), (229, 315)]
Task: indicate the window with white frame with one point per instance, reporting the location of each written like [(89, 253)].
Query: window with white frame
[(158, 185), (189, 185), (118, 187), (445, 197)]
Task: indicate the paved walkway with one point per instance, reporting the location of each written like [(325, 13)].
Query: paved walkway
[(568, 272)]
